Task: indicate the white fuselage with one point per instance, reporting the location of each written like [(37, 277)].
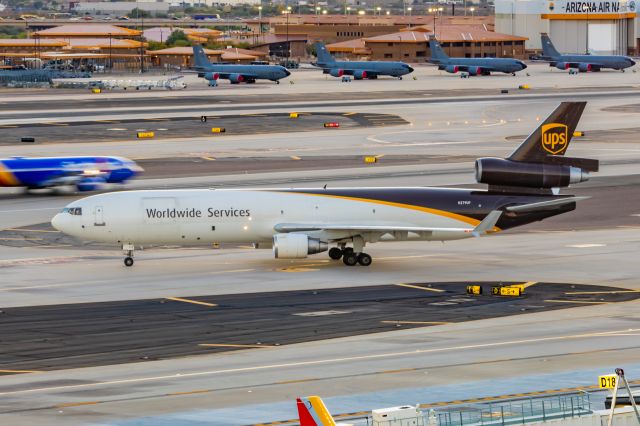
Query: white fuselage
[(204, 216)]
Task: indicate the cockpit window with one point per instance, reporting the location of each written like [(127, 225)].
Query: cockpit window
[(75, 211)]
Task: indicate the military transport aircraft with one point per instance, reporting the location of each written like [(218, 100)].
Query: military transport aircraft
[(359, 70), (522, 188), (85, 173), (472, 66), (582, 63), (235, 73)]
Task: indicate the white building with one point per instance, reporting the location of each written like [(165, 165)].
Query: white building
[(120, 7), (598, 26)]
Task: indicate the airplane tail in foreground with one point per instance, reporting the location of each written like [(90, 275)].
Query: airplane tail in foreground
[(324, 57), (436, 50), (313, 412), (200, 59), (553, 135), (548, 49)]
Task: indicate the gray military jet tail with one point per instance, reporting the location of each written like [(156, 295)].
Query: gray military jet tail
[(582, 63), (359, 70), (473, 66), (235, 73)]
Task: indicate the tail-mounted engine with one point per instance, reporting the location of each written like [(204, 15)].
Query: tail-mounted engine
[(500, 172)]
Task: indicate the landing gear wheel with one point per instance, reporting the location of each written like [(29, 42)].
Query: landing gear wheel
[(128, 261), (347, 250), (277, 82), (335, 253), (364, 259), (399, 78), (350, 259)]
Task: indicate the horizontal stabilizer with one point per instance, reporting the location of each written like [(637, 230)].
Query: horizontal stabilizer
[(587, 164), (544, 205)]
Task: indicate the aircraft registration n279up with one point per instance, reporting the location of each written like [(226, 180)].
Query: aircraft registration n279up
[(522, 188), (85, 173)]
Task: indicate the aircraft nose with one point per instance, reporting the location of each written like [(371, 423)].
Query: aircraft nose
[(287, 72), (58, 222), (632, 62), (410, 69), (523, 65)]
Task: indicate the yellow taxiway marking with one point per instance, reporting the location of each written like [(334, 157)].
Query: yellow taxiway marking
[(226, 345), (295, 157), (586, 302), (19, 371), (380, 155), (209, 158), (415, 322), (195, 302), (437, 290), (346, 114), (316, 362), (528, 284), (30, 230), (295, 269), (189, 392), (254, 115), (77, 404), (156, 119), (106, 121), (602, 292), (57, 124)]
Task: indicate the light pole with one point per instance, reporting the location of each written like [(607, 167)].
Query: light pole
[(472, 9), (110, 58), (348, 10), (318, 8), (260, 18), (287, 12), (409, 9), (378, 9)]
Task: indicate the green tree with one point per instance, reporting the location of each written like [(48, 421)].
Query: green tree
[(138, 13), (177, 36)]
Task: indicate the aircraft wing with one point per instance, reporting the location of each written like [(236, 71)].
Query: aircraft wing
[(544, 205), (486, 225), (466, 68), (227, 75)]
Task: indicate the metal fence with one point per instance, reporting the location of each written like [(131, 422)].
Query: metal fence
[(518, 411)]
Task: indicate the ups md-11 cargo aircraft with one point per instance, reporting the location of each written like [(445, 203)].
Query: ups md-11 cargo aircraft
[(522, 189)]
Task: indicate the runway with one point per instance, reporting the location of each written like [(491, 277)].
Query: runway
[(108, 330)]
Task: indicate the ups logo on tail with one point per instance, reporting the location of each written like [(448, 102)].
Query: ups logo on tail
[(555, 137)]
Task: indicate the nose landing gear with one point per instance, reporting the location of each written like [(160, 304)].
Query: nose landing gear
[(128, 249)]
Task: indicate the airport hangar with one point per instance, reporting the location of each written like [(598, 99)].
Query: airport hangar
[(605, 27)]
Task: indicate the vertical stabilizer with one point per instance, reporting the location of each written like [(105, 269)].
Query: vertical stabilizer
[(437, 53), (324, 57), (553, 136), (548, 49), (312, 412), (200, 59)]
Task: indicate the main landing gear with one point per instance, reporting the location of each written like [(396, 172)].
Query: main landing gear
[(128, 249), (350, 257)]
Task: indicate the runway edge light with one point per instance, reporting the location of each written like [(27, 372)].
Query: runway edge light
[(331, 124), (145, 135), (474, 289)]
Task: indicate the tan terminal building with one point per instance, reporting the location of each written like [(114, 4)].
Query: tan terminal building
[(604, 27), (412, 45)]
